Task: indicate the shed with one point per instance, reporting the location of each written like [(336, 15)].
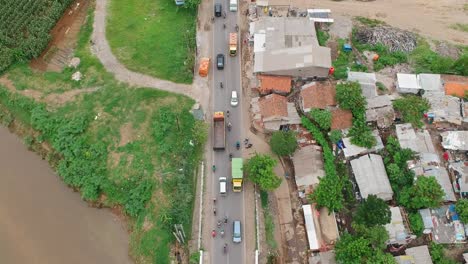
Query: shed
[(371, 176), (308, 167), (408, 83), (396, 228), (431, 84), (445, 108), (419, 141), (310, 228), (455, 140)]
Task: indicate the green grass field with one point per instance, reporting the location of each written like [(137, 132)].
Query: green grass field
[(118, 145), (153, 37)]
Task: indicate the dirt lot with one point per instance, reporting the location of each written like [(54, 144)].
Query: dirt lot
[(429, 18)]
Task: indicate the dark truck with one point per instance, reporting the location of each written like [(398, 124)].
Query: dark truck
[(219, 136)]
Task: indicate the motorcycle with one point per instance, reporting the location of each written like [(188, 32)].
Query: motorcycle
[(221, 84), (219, 223), (229, 126), (225, 220), (237, 145), (227, 113), (225, 248), (214, 168), (213, 233), (230, 156), (237, 28), (224, 26), (222, 232)]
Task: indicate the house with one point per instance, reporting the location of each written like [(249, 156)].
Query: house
[(443, 224), (445, 108), (380, 110), (418, 141), (288, 46), (351, 150), (308, 167), (321, 227), (367, 81), (455, 140), (396, 229), (459, 172), (455, 85), (274, 84), (320, 95), (273, 111), (371, 176), (415, 255), (341, 119), (430, 84)]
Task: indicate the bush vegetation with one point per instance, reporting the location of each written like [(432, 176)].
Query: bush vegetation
[(412, 108), (259, 169), (25, 27), (416, 223), (322, 117), (322, 37), (373, 211), (462, 209), (424, 60), (437, 254), (349, 96), (425, 193)]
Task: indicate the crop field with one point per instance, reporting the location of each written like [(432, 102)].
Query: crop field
[(33, 19)]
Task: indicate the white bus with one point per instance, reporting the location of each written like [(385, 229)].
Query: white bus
[(233, 5)]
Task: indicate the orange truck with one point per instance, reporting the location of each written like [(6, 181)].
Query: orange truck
[(204, 67), (232, 44), (219, 133)]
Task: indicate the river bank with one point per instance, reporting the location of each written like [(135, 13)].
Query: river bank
[(44, 221)]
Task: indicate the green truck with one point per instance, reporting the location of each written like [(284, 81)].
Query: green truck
[(237, 174)]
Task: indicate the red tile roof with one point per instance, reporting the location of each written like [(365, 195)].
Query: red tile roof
[(341, 119), (273, 105), (278, 84), (318, 95)]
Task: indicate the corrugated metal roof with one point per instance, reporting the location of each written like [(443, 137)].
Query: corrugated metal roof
[(407, 81), (396, 229), (308, 166), (352, 150), (418, 141), (427, 218), (455, 140), (310, 227), (420, 254)]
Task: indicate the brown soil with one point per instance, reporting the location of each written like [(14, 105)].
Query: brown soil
[(126, 134), (64, 35)]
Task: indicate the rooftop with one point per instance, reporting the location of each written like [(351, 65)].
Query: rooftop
[(460, 171), (273, 111), (367, 82), (352, 150), (321, 227), (380, 110), (415, 255), (445, 108), (284, 43), (341, 119), (443, 223), (418, 141), (308, 166), (371, 176), (273, 105), (455, 140), (412, 83), (408, 81), (277, 84), (396, 229), (318, 95)]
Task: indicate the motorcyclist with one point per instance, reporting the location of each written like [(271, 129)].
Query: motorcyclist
[(230, 156), (221, 84), (213, 233), (214, 168), (225, 248), (224, 25), (237, 144), (229, 126), (227, 113)]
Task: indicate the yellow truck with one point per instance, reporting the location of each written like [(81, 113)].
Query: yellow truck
[(237, 174), (232, 44)]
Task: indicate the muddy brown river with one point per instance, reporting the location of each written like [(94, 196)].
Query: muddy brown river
[(43, 221)]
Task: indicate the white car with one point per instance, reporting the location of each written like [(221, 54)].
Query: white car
[(234, 99), (222, 186)]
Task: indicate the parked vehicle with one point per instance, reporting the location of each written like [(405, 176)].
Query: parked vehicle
[(220, 61), (222, 186), (236, 174), (219, 130), (218, 10), (236, 232), (234, 99), (232, 44), (233, 5)]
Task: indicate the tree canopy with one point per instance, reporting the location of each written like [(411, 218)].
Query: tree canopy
[(329, 193), (349, 96), (412, 108), (283, 143), (322, 117), (259, 169), (462, 210), (373, 211), (425, 193), (352, 249)]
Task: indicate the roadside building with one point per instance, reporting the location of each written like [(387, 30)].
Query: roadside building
[(341, 119), (273, 111), (308, 167), (317, 95), (455, 140), (371, 176), (274, 84), (459, 172), (380, 110), (396, 229), (367, 81), (415, 255), (321, 227), (288, 46), (443, 224), (351, 150)]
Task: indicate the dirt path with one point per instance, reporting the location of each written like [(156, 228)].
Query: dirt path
[(110, 62), (429, 18)]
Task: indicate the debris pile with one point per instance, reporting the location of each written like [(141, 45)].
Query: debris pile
[(394, 39)]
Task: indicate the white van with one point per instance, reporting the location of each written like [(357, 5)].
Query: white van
[(222, 186), (233, 5), (234, 99)]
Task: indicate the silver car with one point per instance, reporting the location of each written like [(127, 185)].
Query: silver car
[(236, 232)]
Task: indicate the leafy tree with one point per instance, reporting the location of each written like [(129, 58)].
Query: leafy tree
[(349, 96), (416, 223), (425, 193), (361, 134), (259, 169), (352, 249), (412, 108), (335, 136), (373, 211), (329, 193), (380, 257), (376, 235), (322, 117), (462, 210), (437, 254), (283, 143)]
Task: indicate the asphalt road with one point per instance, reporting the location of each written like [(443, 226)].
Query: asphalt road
[(231, 205)]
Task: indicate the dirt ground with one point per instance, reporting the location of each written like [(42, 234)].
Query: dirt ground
[(64, 35), (431, 19)]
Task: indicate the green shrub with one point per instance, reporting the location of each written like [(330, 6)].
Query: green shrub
[(416, 223), (322, 117), (412, 108), (283, 143), (322, 37), (335, 136), (425, 60)]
